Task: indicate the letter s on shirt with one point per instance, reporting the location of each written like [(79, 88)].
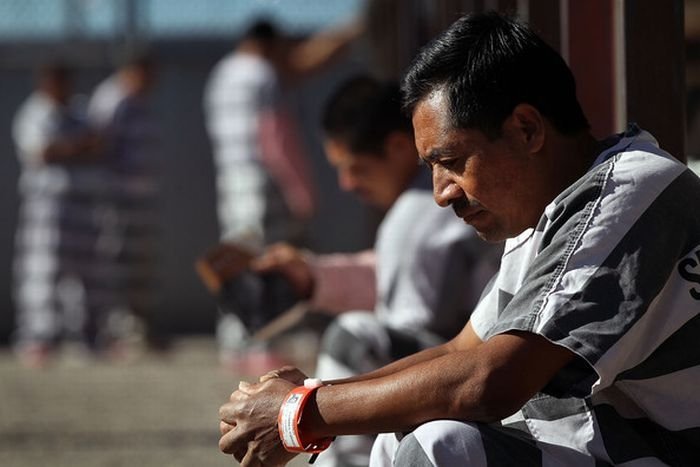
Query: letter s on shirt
[(689, 269)]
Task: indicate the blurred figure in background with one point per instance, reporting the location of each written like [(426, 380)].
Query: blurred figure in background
[(120, 109), (263, 179), (418, 286), (264, 182), (60, 288)]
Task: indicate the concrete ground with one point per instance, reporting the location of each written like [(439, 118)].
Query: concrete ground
[(152, 410)]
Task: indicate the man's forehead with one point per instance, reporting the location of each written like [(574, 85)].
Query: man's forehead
[(431, 115), (434, 101)]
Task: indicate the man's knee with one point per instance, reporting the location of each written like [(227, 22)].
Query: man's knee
[(356, 340), (383, 450), (443, 443)]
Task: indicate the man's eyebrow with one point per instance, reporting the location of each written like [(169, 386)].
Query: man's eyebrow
[(434, 155)]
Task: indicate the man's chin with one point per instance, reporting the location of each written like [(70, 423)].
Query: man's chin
[(491, 238), (487, 234)]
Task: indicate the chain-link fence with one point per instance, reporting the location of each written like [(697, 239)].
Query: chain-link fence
[(105, 19)]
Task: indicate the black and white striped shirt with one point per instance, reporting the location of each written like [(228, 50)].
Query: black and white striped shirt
[(612, 272)]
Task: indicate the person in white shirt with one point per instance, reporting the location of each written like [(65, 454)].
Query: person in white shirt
[(58, 286)]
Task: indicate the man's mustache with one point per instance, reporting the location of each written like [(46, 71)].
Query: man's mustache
[(462, 205)]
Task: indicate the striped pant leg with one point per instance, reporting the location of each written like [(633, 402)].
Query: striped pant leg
[(354, 343), (357, 342), (37, 318), (242, 202), (35, 269), (449, 443)]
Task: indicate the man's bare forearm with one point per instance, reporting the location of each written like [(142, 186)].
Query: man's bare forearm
[(483, 383), (398, 401), (398, 365)]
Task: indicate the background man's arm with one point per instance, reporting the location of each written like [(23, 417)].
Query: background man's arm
[(334, 283)]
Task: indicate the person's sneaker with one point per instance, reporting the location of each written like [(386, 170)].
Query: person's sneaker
[(34, 355)]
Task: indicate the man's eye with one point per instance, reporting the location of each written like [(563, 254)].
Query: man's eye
[(450, 164)]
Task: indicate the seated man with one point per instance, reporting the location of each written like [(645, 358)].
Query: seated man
[(410, 303), (418, 286), (583, 349)]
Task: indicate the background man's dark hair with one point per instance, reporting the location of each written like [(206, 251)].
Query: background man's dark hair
[(262, 30), (363, 112), (487, 64), (138, 57), (55, 70)]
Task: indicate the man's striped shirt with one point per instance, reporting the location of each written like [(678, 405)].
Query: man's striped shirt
[(611, 272)]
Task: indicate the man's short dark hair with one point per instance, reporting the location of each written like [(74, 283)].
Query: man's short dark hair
[(55, 70), (138, 57), (487, 64), (363, 112), (262, 29)]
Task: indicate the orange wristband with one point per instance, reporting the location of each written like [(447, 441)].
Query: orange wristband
[(289, 419)]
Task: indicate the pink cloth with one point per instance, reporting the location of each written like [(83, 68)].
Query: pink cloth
[(344, 282), (285, 160)]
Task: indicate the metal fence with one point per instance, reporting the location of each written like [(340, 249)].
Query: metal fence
[(108, 19)]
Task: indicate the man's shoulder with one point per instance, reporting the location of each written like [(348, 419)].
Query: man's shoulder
[(633, 169), (35, 105)]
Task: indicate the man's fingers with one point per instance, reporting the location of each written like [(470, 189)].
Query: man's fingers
[(292, 374), (268, 376), (227, 413), (225, 427), (268, 260), (263, 264), (231, 443), (244, 388), (240, 454), (274, 258), (250, 459)]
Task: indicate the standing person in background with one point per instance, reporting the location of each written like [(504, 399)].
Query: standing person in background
[(59, 286), (120, 109), (419, 284), (264, 182)]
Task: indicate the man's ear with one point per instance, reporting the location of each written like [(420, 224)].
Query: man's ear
[(529, 126)]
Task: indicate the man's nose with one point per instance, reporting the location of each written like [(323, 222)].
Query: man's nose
[(444, 188)]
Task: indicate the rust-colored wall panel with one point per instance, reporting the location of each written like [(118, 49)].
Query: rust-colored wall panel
[(591, 58), (655, 70)]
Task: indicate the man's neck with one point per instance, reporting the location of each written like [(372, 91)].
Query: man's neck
[(576, 155)]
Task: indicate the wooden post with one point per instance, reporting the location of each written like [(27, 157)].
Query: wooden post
[(592, 51), (655, 70), (544, 17)]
